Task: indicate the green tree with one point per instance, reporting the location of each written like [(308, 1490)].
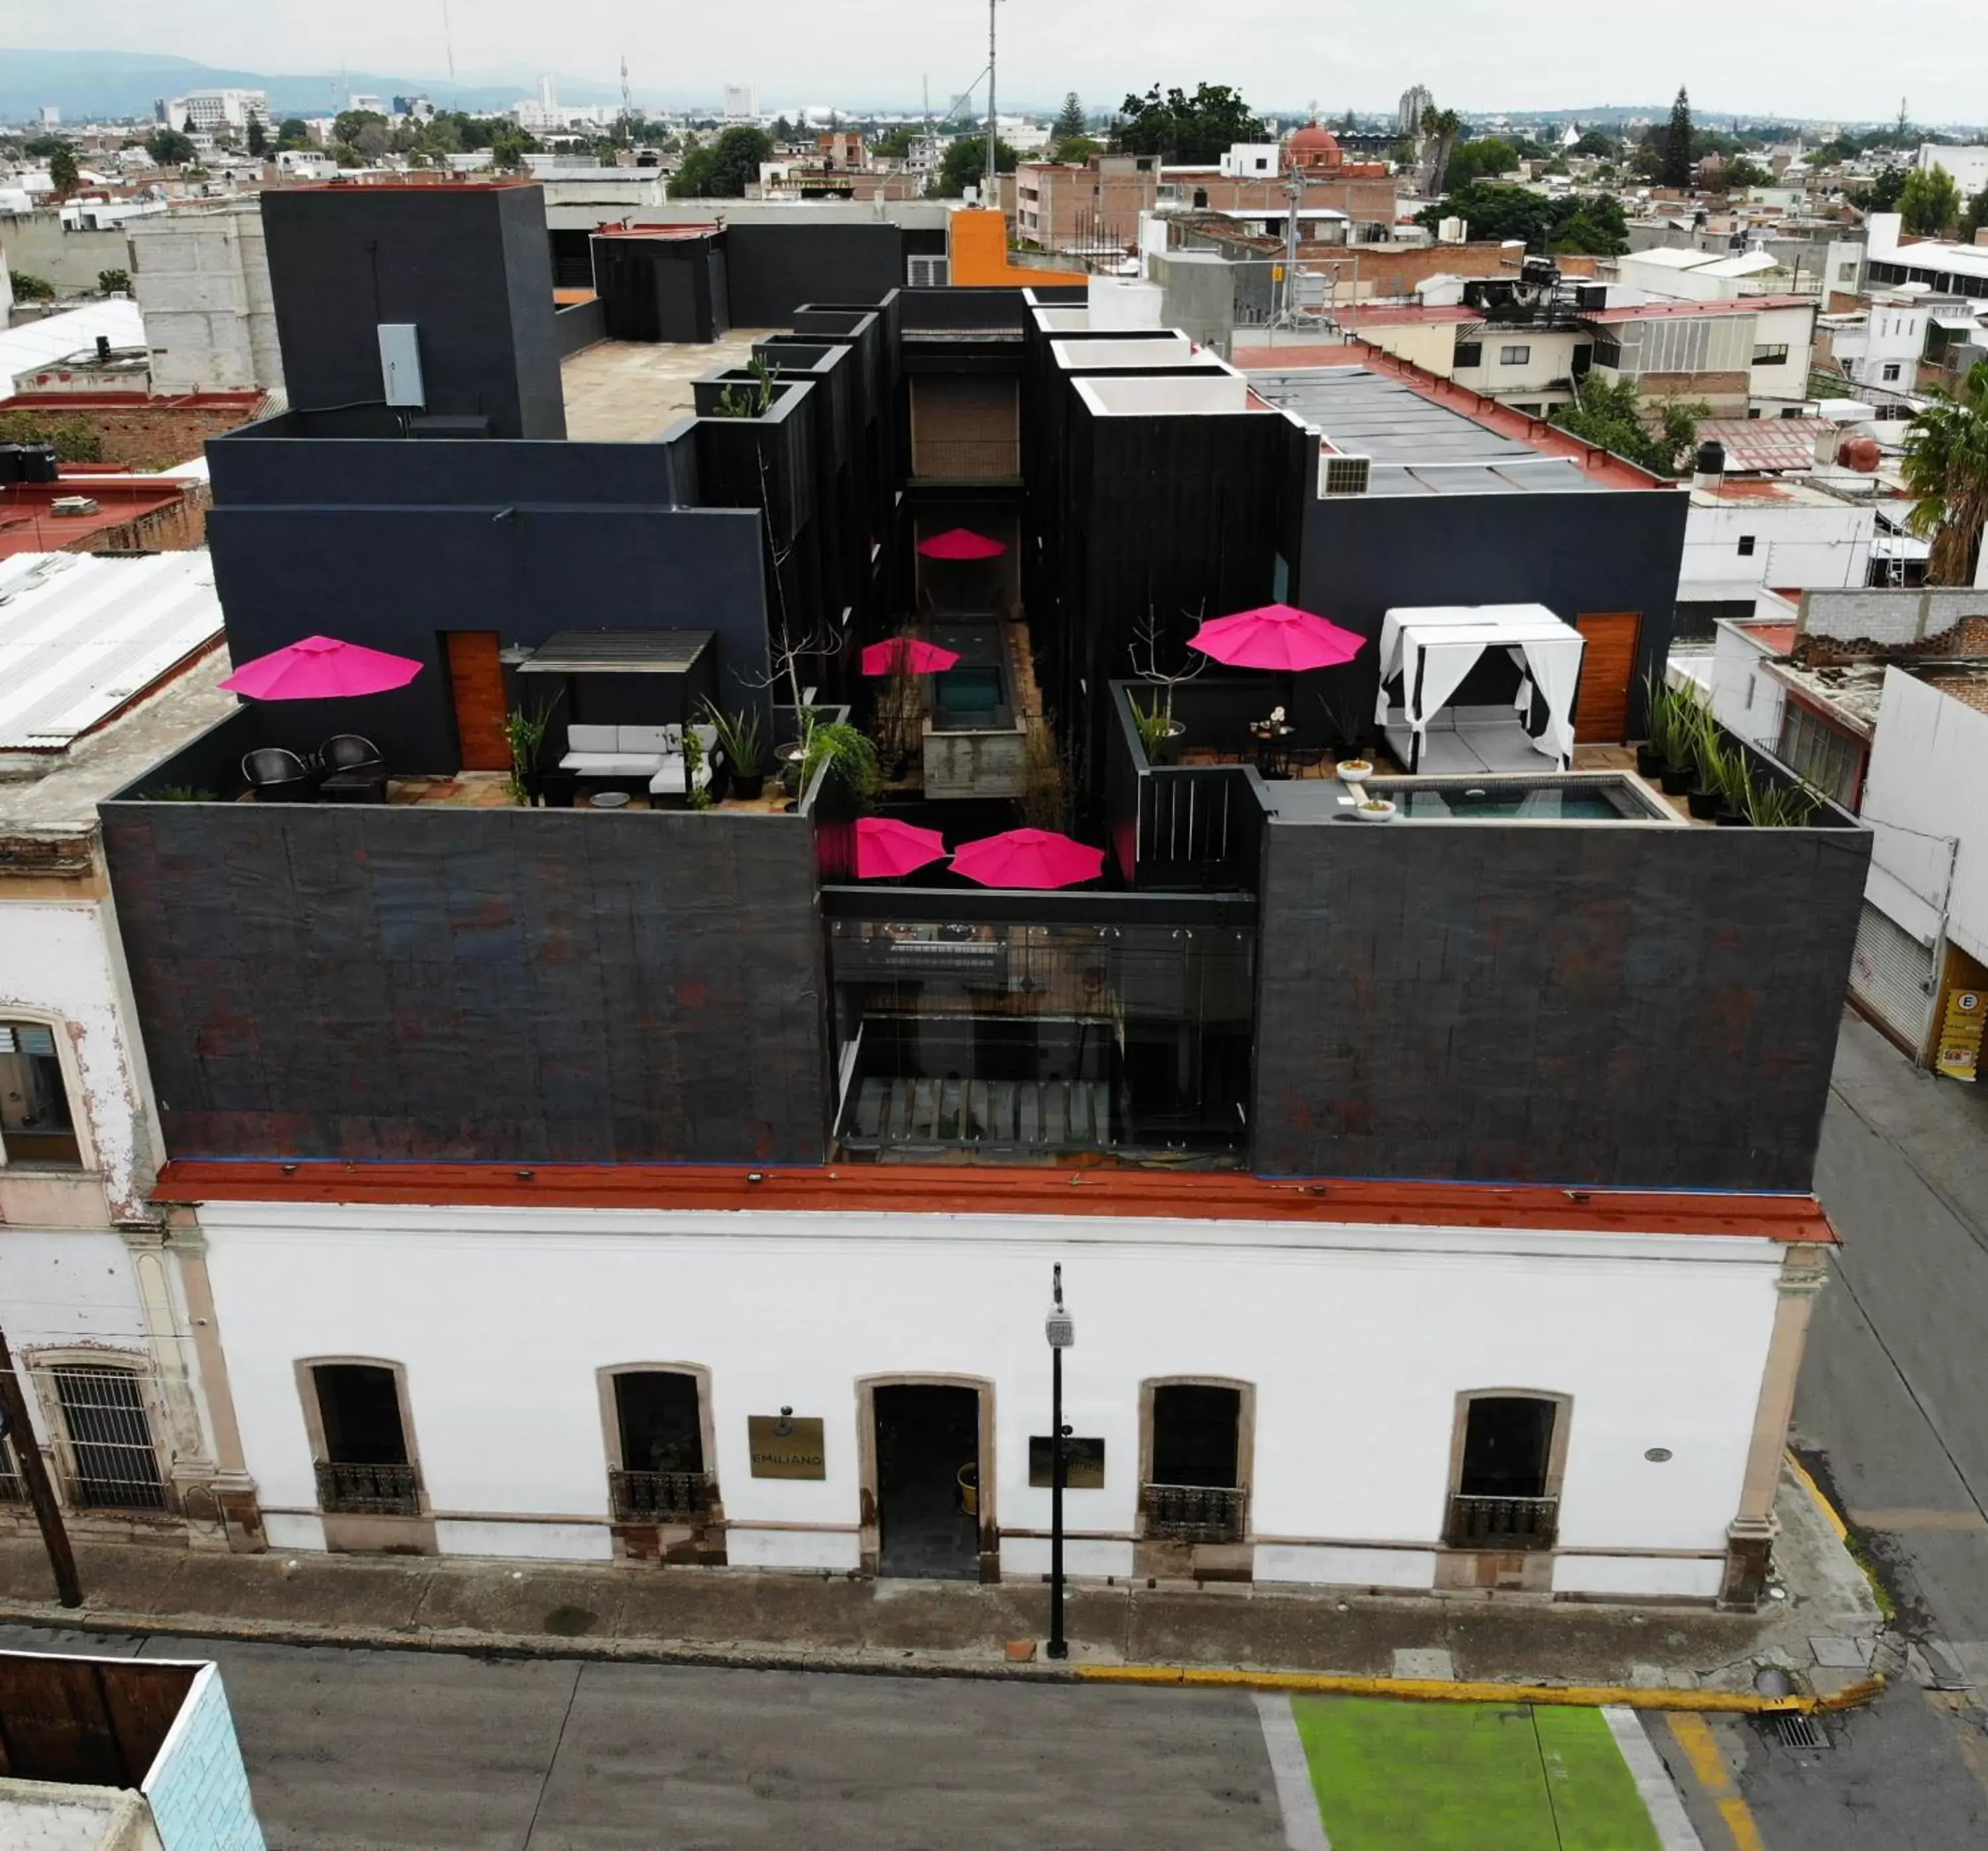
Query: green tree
[(1739, 172), (964, 164), (1928, 201), (1195, 131), (1594, 141), (1442, 128), (29, 288), (258, 136), (1078, 150), (346, 155), (1500, 212), (894, 144), (345, 126), (1677, 148), (292, 133), (114, 283), (169, 148), (1946, 474), (63, 174), (1611, 415), (74, 441), (1481, 159), (725, 169), (1069, 122), (1593, 231), (1975, 217), (508, 150), (783, 130)]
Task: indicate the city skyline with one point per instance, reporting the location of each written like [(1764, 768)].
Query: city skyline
[(878, 56)]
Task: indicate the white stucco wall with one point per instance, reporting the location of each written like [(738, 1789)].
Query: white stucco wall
[(68, 1290), (1358, 1340), (55, 960), (1746, 699), (1797, 545), (1922, 800)]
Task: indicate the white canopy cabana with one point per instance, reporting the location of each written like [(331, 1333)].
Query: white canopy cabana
[(1432, 649)]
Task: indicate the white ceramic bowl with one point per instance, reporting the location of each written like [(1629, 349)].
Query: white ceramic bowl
[(1354, 771), (1376, 809)]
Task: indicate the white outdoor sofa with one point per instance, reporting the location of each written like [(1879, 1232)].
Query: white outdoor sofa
[(652, 752)]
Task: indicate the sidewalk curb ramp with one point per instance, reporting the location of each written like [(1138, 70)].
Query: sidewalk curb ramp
[(874, 1663)]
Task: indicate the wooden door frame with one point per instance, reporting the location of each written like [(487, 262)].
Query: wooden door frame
[(870, 1531), (1629, 687)]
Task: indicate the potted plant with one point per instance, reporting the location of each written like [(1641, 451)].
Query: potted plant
[(525, 732), (1656, 708), (1713, 763), (1780, 806), (1677, 716), (696, 792), (850, 756), (1158, 731), (740, 738)]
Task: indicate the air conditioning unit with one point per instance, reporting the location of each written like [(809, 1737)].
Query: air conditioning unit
[(1339, 475), (926, 272)]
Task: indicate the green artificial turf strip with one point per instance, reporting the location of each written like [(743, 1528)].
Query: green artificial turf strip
[(1595, 1802), (1396, 1776)]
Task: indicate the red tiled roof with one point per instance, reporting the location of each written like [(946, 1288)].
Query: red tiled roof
[(1403, 314), (945, 1189), (28, 525), (1737, 305)]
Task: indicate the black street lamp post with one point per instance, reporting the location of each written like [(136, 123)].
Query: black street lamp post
[(1060, 1327)]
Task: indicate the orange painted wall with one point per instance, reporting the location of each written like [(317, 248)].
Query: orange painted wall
[(977, 242)]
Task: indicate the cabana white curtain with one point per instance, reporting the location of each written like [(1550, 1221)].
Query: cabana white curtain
[(1433, 648)]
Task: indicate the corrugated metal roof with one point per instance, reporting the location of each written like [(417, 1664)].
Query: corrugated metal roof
[(84, 634), (35, 344)]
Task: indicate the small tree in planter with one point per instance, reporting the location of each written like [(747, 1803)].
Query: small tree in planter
[(740, 738), (524, 731), (1148, 636)]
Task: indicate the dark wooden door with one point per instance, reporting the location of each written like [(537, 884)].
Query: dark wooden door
[(476, 683), (1607, 673)]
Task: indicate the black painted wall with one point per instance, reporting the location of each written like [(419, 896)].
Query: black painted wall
[(398, 577), (469, 265), (771, 270), (1640, 1007), (508, 986), (1358, 556)]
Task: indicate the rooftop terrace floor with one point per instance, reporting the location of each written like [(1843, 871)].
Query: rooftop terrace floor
[(626, 392)]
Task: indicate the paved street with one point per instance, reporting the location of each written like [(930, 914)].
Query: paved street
[(1894, 1403)]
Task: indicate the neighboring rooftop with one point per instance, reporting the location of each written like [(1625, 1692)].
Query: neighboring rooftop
[(33, 345), (107, 665), (1422, 443), (631, 391)]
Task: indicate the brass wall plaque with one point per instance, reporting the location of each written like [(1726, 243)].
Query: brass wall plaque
[(785, 1446), (1083, 1463)]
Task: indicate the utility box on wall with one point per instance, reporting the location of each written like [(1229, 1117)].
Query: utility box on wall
[(401, 363)]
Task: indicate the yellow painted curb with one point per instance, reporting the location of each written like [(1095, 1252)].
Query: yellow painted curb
[(1417, 1690), (1822, 1503)]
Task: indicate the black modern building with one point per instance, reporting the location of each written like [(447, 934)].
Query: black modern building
[(1589, 992)]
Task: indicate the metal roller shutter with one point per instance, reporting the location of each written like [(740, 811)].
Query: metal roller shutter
[(1892, 975)]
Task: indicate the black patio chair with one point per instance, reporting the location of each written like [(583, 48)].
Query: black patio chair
[(350, 770), (276, 776)]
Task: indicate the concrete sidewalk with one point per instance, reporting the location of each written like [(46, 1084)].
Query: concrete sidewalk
[(842, 1622)]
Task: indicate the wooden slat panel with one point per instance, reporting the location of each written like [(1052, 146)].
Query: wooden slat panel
[(1607, 673), (476, 682), (87, 1722)]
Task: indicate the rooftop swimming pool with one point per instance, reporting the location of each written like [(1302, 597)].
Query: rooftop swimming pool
[(1609, 798)]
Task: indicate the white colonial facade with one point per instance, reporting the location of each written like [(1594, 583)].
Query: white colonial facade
[(1332, 1365)]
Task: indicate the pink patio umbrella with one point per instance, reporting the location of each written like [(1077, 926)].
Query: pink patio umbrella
[(1276, 636), (321, 668), (886, 848), (906, 655), (961, 543), (1028, 858)]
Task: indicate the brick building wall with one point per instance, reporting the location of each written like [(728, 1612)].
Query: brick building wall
[(145, 434), (197, 1786)]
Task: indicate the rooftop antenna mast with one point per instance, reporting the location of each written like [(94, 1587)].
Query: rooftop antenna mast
[(991, 183), (447, 41), (627, 106)]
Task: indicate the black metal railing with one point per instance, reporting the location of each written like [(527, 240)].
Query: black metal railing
[(659, 1497), (965, 459), (1194, 1513), (1502, 1523), (368, 1490)]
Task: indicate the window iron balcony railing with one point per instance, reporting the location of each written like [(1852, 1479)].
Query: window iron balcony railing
[(1502, 1523), (660, 1497), (1194, 1513), (368, 1490)]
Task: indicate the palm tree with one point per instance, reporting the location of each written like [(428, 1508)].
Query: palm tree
[(1946, 473), (1444, 128)]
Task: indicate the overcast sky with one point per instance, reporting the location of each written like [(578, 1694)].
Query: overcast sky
[(1798, 57)]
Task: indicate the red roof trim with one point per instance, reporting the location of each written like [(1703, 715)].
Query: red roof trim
[(951, 1189)]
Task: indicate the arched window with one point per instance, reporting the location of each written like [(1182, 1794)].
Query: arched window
[(1507, 1454), (659, 1442), (356, 1409), (1196, 1437), (101, 1416)]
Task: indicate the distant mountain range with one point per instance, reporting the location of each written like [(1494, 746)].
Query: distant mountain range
[(97, 86)]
